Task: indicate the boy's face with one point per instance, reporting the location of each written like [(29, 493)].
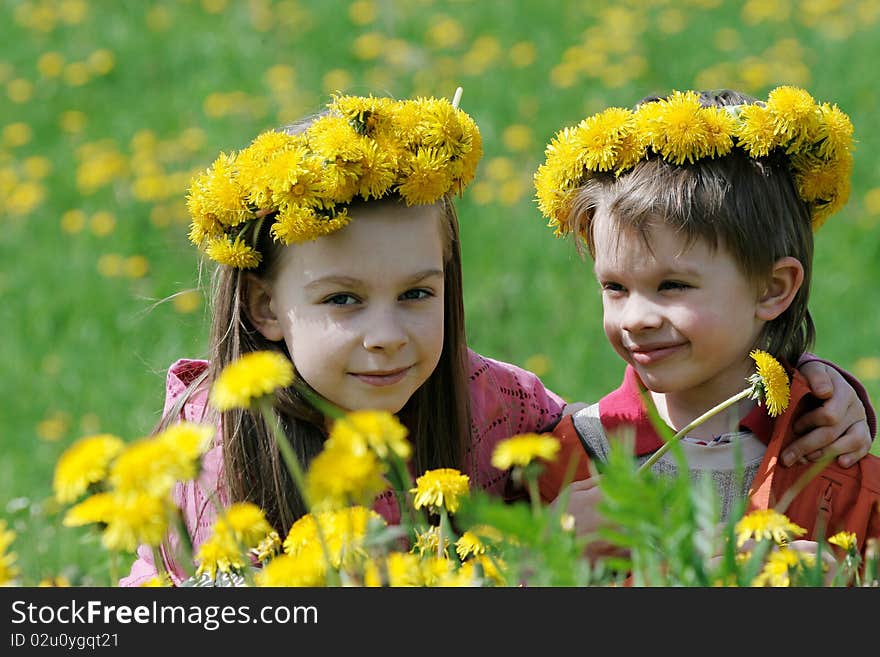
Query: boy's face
[(683, 318), (361, 310)]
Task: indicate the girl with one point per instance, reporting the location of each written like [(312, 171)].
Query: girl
[(338, 245)]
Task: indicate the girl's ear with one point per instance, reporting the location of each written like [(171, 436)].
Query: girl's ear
[(258, 305), (786, 278)]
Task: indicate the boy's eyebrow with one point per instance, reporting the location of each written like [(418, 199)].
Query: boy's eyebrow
[(349, 281), (664, 273)]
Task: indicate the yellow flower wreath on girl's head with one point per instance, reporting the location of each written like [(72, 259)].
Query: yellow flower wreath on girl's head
[(816, 137), (363, 147)]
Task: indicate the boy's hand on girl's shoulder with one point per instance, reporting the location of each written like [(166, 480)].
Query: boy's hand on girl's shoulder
[(839, 426)]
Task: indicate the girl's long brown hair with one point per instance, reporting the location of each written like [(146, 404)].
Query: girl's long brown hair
[(437, 415)]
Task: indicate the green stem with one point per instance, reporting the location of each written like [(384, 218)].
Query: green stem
[(159, 562), (293, 465), (705, 416), (440, 532), (532, 488)]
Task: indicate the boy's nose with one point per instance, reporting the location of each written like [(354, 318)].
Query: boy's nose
[(640, 314)]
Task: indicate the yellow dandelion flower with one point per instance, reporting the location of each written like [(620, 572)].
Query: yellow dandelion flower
[(268, 548), (469, 544), (720, 128), (339, 182), (307, 569), (204, 228), (154, 464), (679, 131), (270, 177), (440, 488), (821, 180), (492, 569), (302, 532), (425, 177), (440, 127), (84, 463), (770, 383), (338, 477), (232, 254), (846, 540), (378, 431), (301, 184), (245, 521), (295, 224), (332, 138), (523, 449), (367, 113), (553, 196), (218, 193), (563, 157), (128, 519), (834, 133), (795, 115), (427, 542), (251, 377), (54, 582), (344, 532), (220, 553), (158, 581), (379, 171), (755, 131), (471, 156), (398, 569), (8, 570), (436, 570), (779, 565), (189, 440), (820, 210), (599, 138), (766, 524)]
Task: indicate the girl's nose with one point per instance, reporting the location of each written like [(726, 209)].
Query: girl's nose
[(384, 332)]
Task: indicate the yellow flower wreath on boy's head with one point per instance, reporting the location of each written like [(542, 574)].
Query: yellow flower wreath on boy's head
[(816, 137), (363, 147)]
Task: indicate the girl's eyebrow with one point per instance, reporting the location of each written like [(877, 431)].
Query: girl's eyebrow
[(349, 281)]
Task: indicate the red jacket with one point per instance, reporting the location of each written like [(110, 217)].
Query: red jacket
[(837, 498)]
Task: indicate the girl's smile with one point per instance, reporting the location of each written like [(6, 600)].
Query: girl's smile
[(379, 379)]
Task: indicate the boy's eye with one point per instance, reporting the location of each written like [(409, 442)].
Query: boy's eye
[(673, 285), (341, 300), (416, 293), (610, 286)]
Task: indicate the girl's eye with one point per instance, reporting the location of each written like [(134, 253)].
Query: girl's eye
[(673, 285), (341, 300), (417, 293)]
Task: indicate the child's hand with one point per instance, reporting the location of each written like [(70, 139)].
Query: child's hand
[(583, 505), (838, 426)]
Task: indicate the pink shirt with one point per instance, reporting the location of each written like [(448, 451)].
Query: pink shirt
[(505, 401)]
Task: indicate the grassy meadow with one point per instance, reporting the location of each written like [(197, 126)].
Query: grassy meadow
[(108, 108)]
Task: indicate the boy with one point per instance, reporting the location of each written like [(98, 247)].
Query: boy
[(698, 211)]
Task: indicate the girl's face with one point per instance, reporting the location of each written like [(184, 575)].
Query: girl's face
[(361, 310)]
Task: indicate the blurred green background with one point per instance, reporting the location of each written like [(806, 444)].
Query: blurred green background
[(107, 109)]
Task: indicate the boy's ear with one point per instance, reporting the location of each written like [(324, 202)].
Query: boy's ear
[(786, 278), (258, 305)]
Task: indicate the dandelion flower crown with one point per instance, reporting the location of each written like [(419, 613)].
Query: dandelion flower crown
[(817, 139), (362, 147)]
